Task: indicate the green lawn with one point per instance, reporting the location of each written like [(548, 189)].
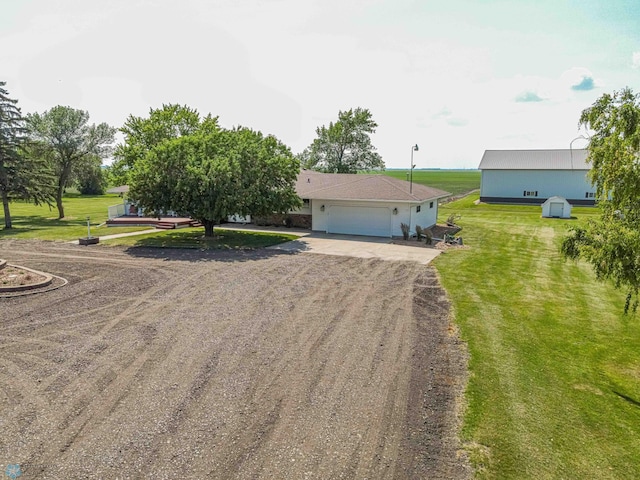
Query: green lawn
[(41, 222), (194, 238), (453, 181), (554, 387)]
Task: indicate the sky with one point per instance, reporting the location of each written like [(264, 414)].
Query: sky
[(455, 77)]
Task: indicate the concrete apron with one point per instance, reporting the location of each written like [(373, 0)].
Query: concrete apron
[(358, 246)]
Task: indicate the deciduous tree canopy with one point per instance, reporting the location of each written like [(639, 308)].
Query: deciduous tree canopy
[(344, 146), (143, 134), (91, 179), (611, 244), (70, 142), (210, 173)]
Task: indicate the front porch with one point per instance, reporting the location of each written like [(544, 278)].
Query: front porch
[(127, 214), (166, 223)]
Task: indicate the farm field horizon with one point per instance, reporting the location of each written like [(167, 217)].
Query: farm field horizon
[(454, 181)]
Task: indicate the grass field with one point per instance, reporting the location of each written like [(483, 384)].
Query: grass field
[(453, 181), (41, 222), (554, 387), (194, 238)]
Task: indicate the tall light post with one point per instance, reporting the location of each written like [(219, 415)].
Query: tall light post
[(571, 147), (414, 148)]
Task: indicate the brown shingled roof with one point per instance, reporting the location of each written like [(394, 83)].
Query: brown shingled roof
[(378, 187)]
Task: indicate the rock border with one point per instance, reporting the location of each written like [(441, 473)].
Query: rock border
[(32, 286), (50, 282), (57, 282)]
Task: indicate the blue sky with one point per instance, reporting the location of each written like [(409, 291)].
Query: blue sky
[(455, 77)]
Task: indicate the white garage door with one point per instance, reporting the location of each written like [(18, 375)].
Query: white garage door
[(556, 209), (373, 221)]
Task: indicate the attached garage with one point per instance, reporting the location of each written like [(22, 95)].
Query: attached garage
[(366, 204), (354, 220), (556, 207)]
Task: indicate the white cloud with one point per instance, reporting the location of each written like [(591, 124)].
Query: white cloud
[(528, 96), (579, 79), (453, 83), (445, 114)]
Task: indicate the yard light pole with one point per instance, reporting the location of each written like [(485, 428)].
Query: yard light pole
[(414, 148), (571, 147)]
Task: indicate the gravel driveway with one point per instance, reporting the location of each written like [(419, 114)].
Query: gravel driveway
[(172, 364)]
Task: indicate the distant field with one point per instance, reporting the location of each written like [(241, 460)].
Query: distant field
[(454, 181)]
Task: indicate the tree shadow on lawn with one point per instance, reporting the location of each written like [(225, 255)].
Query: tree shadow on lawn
[(198, 255), (632, 401), (23, 224), (226, 245)]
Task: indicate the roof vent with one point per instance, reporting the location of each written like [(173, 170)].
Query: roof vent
[(308, 180)]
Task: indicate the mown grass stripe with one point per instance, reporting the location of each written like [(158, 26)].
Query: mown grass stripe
[(553, 367)]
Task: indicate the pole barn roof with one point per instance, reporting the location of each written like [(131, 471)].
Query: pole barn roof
[(576, 159)]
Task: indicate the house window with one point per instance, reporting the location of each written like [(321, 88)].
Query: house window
[(530, 193), (589, 195), (430, 204), (418, 209), (305, 203)]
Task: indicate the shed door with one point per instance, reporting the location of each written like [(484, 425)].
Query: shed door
[(372, 221), (556, 209)]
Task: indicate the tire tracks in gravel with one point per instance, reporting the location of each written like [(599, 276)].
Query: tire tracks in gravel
[(283, 366), (233, 361), (84, 410), (72, 423), (319, 349)]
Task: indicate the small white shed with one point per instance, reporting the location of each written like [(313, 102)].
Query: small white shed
[(556, 207)]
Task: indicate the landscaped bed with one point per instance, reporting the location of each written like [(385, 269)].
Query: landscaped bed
[(12, 276), (438, 233)]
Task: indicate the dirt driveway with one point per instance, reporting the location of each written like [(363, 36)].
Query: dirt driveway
[(178, 364)]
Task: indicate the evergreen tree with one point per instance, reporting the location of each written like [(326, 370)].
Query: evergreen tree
[(23, 175)]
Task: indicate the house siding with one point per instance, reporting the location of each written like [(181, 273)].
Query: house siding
[(426, 218)]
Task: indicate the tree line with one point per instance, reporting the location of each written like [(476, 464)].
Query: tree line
[(177, 160), (173, 160), (42, 154)]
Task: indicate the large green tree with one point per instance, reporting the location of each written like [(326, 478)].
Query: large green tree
[(211, 173), (611, 243), (143, 134), (23, 175), (91, 179), (344, 146), (70, 143)]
